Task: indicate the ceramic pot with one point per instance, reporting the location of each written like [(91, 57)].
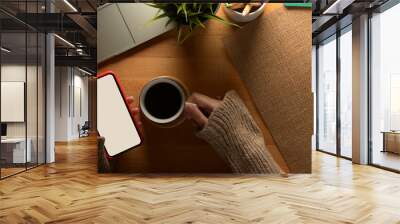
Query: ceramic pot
[(237, 17)]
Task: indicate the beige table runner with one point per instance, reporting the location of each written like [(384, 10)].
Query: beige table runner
[(273, 57)]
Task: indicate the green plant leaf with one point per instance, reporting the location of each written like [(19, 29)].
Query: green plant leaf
[(182, 35), (159, 16), (187, 35), (179, 34), (179, 7), (210, 7), (199, 9), (191, 14), (185, 11), (199, 23), (219, 19), (157, 5), (168, 22), (187, 16), (156, 17), (192, 25)]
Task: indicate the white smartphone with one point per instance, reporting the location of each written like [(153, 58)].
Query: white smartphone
[(114, 121)]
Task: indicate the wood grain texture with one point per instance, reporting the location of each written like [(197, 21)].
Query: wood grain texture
[(71, 191), (202, 65)]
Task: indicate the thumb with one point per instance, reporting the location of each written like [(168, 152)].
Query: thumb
[(192, 112)]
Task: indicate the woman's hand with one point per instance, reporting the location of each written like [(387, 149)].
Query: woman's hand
[(135, 111), (199, 107)]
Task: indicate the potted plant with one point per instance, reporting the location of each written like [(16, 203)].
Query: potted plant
[(244, 12), (188, 16)]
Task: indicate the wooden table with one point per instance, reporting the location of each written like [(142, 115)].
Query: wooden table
[(202, 64)]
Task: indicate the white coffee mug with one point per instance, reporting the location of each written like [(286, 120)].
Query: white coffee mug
[(154, 89)]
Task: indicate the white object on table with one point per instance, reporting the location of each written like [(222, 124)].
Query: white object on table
[(236, 16)]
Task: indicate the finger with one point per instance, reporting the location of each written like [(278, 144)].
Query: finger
[(131, 102), (204, 102), (134, 108), (135, 111), (130, 99), (137, 120), (193, 113), (136, 114)]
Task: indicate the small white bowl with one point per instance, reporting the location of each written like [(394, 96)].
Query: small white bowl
[(239, 18)]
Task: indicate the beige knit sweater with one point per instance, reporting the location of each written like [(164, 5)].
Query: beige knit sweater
[(233, 133)]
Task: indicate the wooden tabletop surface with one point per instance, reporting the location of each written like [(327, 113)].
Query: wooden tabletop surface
[(202, 64)]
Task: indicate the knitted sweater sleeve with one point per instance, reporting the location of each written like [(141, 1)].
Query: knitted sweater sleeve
[(233, 133)]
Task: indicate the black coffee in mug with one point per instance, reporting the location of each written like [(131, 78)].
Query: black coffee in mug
[(162, 101)]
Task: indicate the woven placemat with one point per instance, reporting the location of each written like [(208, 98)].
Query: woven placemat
[(273, 57)]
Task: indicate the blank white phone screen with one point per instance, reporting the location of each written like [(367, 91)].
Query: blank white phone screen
[(114, 122)]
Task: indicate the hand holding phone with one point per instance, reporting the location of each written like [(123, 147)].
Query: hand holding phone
[(114, 119), (135, 111)]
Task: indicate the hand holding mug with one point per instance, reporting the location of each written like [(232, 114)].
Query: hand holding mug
[(197, 109)]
